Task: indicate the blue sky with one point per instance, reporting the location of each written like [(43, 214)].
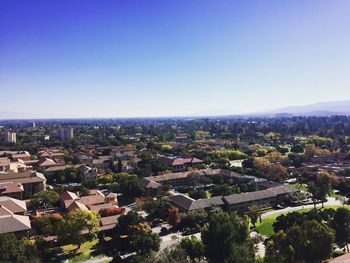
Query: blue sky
[(111, 58)]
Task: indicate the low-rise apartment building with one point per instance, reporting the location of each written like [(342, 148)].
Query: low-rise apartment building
[(12, 218), (263, 198), (178, 164), (32, 182)]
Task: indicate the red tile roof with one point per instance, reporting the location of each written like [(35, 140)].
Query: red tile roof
[(10, 222), (8, 188), (13, 205)]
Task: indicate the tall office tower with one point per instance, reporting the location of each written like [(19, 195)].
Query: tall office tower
[(66, 134), (10, 137)]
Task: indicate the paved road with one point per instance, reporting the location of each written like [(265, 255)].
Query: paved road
[(330, 202), (260, 247), (97, 260), (171, 238)]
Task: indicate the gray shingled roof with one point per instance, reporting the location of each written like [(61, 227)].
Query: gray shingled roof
[(188, 203), (10, 222), (23, 178), (182, 201), (12, 204), (149, 183), (207, 202), (257, 195)]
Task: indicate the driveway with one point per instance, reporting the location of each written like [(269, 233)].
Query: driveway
[(171, 238), (98, 260), (331, 201)]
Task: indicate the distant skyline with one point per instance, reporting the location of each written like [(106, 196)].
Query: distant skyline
[(110, 58)]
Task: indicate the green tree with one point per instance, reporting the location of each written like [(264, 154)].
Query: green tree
[(219, 190), (254, 214), (341, 225), (140, 238), (143, 242), (224, 234), (126, 221), (278, 250), (297, 148), (198, 194), (193, 218), (320, 188), (45, 198), (194, 248), (309, 242), (158, 208), (130, 186), (13, 250), (320, 238), (70, 229)]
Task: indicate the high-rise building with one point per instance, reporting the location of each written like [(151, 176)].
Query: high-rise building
[(10, 137), (66, 133)]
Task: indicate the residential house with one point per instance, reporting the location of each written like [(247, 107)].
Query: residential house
[(21, 155), (11, 189), (8, 165), (45, 163), (14, 205), (53, 154), (95, 201), (32, 182), (5, 164), (178, 164), (109, 222), (12, 219), (86, 173), (103, 163)]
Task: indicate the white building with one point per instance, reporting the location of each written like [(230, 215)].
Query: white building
[(66, 133), (10, 137)]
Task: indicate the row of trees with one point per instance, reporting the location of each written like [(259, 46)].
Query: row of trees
[(14, 250), (308, 237), (225, 238), (75, 228)]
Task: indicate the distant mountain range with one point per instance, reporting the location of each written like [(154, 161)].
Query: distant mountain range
[(316, 109)]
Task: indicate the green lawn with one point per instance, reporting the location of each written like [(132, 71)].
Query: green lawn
[(265, 227), (302, 187), (83, 253), (207, 192), (336, 195)]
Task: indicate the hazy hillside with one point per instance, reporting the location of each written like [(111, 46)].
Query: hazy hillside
[(318, 109)]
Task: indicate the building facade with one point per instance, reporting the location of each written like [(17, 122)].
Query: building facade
[(10, 137), (66, 133)]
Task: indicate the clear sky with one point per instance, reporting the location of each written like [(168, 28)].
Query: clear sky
[(112, 58)]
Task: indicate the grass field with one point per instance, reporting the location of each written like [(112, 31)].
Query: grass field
[(265, 227), (302, 187), (83, 253), (208, 193)]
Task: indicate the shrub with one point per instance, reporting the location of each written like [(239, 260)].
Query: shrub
[(112, 211)]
